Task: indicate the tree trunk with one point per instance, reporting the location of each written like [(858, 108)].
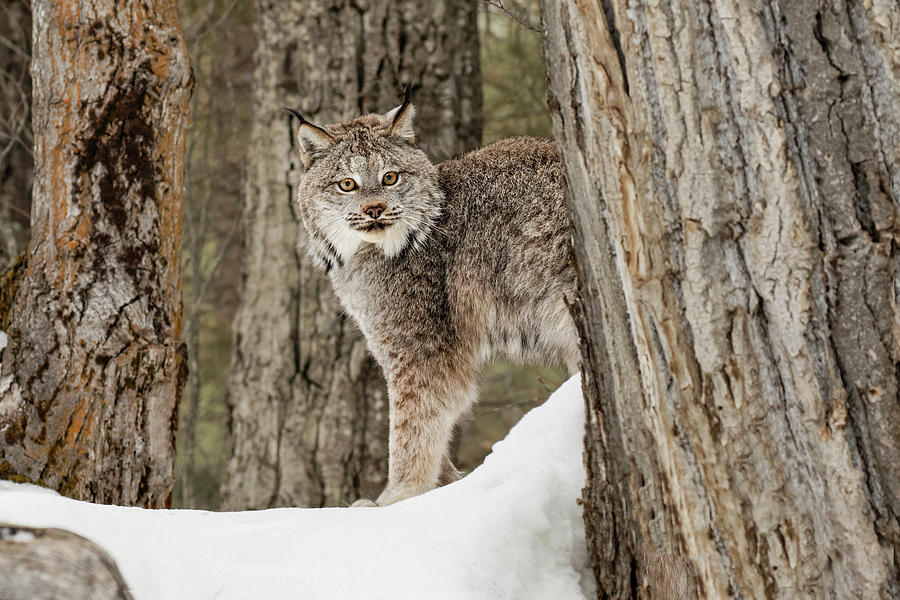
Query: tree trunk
[(213, 188), (46, 564), (93, 372), (10, 278), (16, 163), (308, 404), (733, 185)]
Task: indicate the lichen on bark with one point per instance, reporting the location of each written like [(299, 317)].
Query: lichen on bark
[(94, 369)]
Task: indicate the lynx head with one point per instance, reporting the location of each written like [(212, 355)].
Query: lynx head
[(366, 182)]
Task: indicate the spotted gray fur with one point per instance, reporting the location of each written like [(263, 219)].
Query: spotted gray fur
[(468, 260)]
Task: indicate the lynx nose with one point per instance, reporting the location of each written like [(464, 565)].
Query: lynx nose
[(374, 210)]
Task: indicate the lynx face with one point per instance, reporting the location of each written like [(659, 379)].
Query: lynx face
[(366, 183)]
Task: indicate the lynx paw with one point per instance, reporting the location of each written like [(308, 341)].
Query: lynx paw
[(363, 502)]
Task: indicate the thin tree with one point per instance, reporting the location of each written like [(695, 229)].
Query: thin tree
[(308, 405), (214, 166), (734, 186), (93, 373)]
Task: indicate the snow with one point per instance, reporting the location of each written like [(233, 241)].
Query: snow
[(9, 486), (510, 529)]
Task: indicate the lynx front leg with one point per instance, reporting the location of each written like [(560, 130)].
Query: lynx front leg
[(449, 472), (423, 413)]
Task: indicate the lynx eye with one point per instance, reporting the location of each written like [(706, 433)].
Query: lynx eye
[(347, 184), (390, 178)]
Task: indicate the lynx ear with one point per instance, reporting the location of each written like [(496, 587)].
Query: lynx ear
[(402, 117), (312, 140)]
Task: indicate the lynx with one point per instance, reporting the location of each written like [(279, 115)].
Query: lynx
[(443, 267)]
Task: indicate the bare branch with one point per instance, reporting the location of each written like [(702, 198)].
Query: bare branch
[(14, 47), (14, 208), (521, 19), (205, 26)]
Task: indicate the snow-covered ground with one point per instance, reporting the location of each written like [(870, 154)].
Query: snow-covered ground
[(509, 530)]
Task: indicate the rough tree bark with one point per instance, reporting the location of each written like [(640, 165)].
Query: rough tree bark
[(16, 163), (308, 405), (93, 372), (733, 184), (80, 568)]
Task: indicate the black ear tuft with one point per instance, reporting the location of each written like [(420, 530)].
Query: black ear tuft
[(312, 139), (294, 113), (407, 100), (407, 92), (402, 117)]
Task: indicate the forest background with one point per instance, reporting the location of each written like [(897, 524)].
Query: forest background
[(733, 185)]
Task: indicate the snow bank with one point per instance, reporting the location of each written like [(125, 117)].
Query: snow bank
[(509, 530), (9, 486)]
